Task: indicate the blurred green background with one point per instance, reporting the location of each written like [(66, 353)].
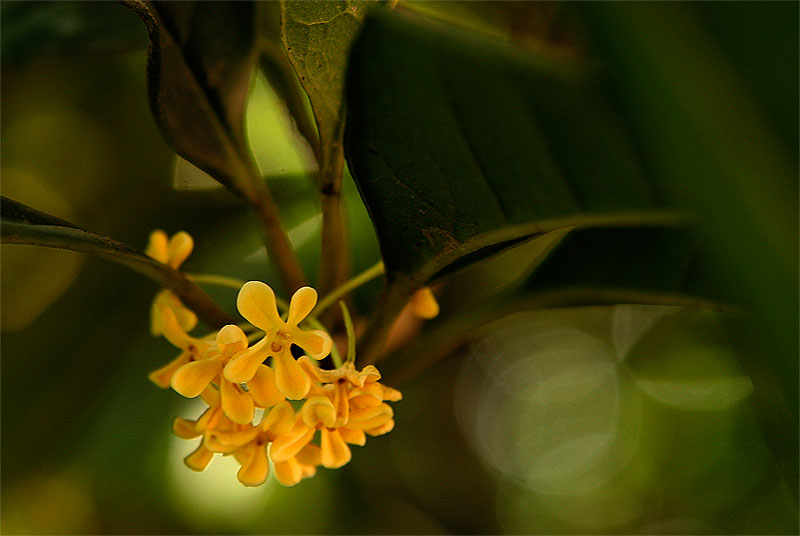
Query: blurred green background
[(586, 420)]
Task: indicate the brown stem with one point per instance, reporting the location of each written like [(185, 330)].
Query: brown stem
[(82, 241), (335, 261), (395, 296), (279, 248), (334, 256)]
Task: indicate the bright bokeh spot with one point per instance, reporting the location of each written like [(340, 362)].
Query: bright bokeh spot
[(544, 404)]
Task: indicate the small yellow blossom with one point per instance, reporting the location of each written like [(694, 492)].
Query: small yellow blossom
[(186, 318), (339, 384), (256, 303), (192, 378), (341, 406), (192, 349), (246, 443), (423, 303), (319, 413), (172, 252)]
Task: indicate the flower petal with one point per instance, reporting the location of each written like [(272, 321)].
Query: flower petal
[(226, 442), (231, 339), (335, 452), (309, 457), (354, 437), (383, 429), (167, 324), (187, 320), (288, 472), (263, 388), (210, 396), (392, 395), (179, 248), (365, 400), (163, 376), (209, 419), (157, 246), (290, 443), (318, 410), (279, 420), (317, 374), (256, 302), (255, 468), (185, 429), (236, 404), (302, 303), (368, 374), (199, 459), (290, 377), (423, 303), (341, 403), (369, 418), (192, 378), (315, 342), (243, 366)]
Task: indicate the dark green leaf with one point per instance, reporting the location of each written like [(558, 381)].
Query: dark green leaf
[(711, 147), (462, 146), (202, 56), (317, 36), (279, 72), (647, 265), (21, 224)]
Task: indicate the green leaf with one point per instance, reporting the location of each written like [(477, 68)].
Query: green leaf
[(278, 69), (715, 152), (21, 224), (711, 148), (647, 265), (463, 146), (317, 36), (202, 56)]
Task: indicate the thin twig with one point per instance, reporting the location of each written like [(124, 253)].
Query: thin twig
[(334, 260), (348, 286)]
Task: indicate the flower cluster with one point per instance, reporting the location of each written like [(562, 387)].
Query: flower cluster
[(298, 398)]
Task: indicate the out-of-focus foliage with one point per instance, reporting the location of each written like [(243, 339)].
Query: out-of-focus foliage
[(560, 160), (198, 86), (613, 419)]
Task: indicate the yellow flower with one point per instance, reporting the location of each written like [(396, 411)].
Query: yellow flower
[(346, 385), (210, 423), (192, 349), (172, 252), (256, 303), (192, 378), (303, 465), (319, 413), (247, 444), (187, 320), (423, 303), (253, 455)]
